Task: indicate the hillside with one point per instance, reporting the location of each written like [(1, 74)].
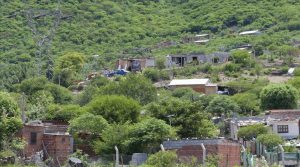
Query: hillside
[(115, 29)]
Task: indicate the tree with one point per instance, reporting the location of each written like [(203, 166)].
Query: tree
[(87, 95), (63, 112), (152, 74), (10, 121), (295, 82), (248, 103), (67, 68), (252, 131), (89, 125), (270, 140), (162, 159), (133, 85), (222, 105), (60, 94), (241, 57), (280, 96), (160, 63), (118, 109), (187, 94), (32, 85), (189, 118), (38, 104), (148, 134), (113, 135)]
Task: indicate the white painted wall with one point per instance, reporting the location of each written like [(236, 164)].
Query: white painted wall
[(293, 128)]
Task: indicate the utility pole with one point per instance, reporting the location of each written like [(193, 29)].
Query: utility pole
[(42, 39)]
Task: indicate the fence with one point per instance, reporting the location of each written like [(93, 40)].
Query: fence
[(276, 156)]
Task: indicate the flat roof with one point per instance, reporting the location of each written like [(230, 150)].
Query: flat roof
[(201, 35), (178, 82), (202, 41), (250, 32)]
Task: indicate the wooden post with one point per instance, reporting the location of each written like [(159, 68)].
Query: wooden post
[(204, 154)]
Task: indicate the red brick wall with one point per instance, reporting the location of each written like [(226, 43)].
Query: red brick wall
[(229, 155), (31, 149), (58, 147)]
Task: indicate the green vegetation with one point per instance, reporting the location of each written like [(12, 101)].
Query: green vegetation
[(279, 97), (252, 131), (270, 140), (43, 72)]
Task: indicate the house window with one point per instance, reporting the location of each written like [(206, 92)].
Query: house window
[(33, 137), (282, 128)]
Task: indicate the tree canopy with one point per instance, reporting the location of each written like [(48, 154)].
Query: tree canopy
[(279, 97), (252, 131), (222, 105), (115, 109)]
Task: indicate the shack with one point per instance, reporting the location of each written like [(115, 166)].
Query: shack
[(51, 139), (198, 85), (182, 60), (135, 64)]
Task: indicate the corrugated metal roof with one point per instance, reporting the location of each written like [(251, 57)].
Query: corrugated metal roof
[(250, 32), (178, 82)]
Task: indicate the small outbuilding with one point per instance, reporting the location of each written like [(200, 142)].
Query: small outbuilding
[(198, 85), (135, 64)]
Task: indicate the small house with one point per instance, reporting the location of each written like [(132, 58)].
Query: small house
[(182, 60), (198, 85), (284, 122), (52, 140), (135, 64)]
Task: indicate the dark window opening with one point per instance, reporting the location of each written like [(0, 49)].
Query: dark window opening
[(216, 60), (63, 140), (33, 137), (282, 128)]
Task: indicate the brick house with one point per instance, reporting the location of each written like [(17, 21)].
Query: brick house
[(52, 139), (198, 85), (227, 152)]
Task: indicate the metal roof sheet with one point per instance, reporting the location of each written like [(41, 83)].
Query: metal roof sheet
[(178, 82)]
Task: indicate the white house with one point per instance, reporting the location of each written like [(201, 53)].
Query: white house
[(284, 122)]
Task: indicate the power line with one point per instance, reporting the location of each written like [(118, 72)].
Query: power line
[(42, 39)]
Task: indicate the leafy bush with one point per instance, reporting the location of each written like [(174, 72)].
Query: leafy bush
[(270, 140), (279, 96), (252, 131), (118, 109), (63, 112)]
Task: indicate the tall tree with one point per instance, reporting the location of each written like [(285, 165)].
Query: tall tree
[(280, 96), (222, 105), (67, 68), (10, 121), (115, 109), (189, 118), (135, 86)]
